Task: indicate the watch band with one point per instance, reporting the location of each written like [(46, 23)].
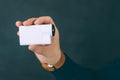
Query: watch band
[(59, 64)]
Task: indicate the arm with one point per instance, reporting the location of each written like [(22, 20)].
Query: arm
[(72, 71), (53, 55)]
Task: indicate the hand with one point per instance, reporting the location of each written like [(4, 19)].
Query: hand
[(45, 53)]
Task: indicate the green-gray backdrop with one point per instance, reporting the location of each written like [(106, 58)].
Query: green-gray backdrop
[(89, 34)]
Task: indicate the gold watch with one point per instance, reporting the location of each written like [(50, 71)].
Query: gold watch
[(59, 64)]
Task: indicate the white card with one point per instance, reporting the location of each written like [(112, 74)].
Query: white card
[(35, 34)]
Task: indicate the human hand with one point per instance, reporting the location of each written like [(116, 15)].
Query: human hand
[(45, 53)]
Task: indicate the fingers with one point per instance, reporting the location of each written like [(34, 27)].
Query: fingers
[(18, 23), (44, 20), (32, 21), (29, 21)]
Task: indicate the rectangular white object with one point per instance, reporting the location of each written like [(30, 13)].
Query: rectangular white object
[(35, 34)]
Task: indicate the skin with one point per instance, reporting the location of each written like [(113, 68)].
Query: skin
[(45, 53)]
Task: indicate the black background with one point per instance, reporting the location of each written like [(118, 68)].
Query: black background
[(89, 34)]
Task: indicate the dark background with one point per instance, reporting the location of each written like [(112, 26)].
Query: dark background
[(89, 34)]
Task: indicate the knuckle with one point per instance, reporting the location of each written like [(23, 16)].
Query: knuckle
[(31, 18), (49, 17), (24, 23), (29, 21)]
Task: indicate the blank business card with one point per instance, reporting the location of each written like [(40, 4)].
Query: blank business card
[(35, 34)]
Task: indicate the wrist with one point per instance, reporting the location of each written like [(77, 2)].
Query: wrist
[(49, 57), (53, 67)]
